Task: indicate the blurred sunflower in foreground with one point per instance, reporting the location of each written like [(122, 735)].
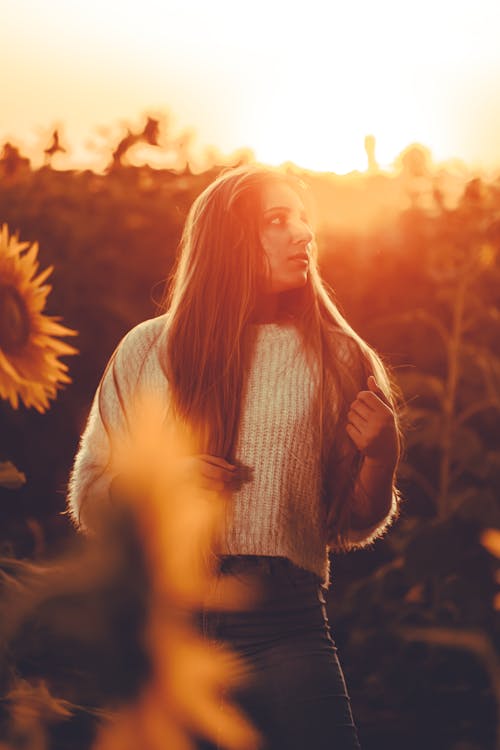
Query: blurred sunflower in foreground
[(30, 369), (101, 648)]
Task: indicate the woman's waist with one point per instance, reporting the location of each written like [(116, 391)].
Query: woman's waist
[(273, 583), (283, 601), (270, 568), (300, 540)]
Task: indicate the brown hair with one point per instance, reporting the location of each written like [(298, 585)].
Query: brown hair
[(213, 297)]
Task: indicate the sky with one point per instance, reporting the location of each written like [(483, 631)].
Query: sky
[(302, 82)]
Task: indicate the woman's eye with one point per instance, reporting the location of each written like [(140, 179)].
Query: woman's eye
[(277, 220)]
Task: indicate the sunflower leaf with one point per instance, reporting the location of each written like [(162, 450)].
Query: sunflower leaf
[(10, 477)]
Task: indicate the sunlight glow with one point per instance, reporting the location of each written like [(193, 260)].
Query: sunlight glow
[(304, 85)]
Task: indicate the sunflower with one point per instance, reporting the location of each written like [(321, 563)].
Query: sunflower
[(30, 369)]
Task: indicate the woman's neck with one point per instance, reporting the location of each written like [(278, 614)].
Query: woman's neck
[(266, 309)]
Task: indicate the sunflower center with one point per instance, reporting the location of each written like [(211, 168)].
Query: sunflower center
[(14, 319)]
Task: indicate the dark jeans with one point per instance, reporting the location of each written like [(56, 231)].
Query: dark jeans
[(295, 694)]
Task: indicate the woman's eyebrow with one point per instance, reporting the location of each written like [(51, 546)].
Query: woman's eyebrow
[(277, 208), (288, 210)]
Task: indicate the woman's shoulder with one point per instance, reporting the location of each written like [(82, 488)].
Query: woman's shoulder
[(144, 336), (137, 353)]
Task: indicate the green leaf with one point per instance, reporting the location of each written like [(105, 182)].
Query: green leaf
[(10, 477)]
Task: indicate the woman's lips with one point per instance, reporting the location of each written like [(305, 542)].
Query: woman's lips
[(300, 259)]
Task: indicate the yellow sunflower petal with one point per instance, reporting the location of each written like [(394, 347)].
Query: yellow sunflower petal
[(9, 369), (10, 394), (59, 347), (51, 327), (29, 261), (43, 275), (39, 300)]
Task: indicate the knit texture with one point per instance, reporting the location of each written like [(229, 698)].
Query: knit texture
[(279, 511)]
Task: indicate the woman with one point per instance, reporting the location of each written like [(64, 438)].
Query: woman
[(294, 423)]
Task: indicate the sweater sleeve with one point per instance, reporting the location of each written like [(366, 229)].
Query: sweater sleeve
[(108, 424), (358, 538)]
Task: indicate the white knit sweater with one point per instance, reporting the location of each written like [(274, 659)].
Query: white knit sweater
[(278, 512)]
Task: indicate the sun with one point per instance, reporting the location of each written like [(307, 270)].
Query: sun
[(30, 369)]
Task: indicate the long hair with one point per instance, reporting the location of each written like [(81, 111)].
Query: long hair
[(212, 299)]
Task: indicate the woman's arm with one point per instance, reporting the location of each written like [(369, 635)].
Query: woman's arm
[(110, 420), (372, 428), (373, 495), (93, 472)]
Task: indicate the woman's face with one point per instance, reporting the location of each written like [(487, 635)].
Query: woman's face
[(285, 235)]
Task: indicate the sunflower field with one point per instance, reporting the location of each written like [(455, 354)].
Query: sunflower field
[(413, 257)]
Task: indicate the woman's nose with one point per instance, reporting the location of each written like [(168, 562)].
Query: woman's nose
[(302, 233)]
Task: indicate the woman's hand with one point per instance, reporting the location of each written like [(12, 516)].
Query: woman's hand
[(372, 426), (211, 473)]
